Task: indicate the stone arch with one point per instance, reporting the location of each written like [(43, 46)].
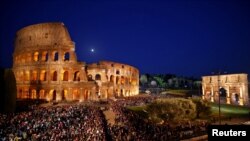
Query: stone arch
[(117, 80), (64, 94), (66, 56), (43, 75), (52, 95), (122, 92), (90, 78), (54, 76), (76, 94), (77, 76), (36, 56), (21, 76), (42, 94), (235, 98), (133, 82), (122, 80), (34, 75), (98, 77), (33, 94), (55, 56), (65, 76), (27, 75), (45, 56), (117, 72), (112, 78)]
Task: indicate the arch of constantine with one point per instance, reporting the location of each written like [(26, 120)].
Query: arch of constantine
[(46, 67), (236, 86)]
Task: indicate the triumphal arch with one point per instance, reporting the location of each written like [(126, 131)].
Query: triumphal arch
[(236, 86), (46, 67)]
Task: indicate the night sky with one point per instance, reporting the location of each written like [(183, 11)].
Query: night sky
[(189, 38)]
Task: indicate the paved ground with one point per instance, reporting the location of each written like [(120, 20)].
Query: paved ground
[(110, 116)]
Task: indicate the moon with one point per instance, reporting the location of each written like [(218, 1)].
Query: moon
[(92, 50)]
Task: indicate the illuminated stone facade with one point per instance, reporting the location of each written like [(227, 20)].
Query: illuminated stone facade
[(236, 86), (46, 67)]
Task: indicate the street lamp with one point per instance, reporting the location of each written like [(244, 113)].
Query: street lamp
[(220, 90), (219, 96)]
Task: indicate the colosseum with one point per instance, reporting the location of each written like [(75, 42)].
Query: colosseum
[(46, 67)]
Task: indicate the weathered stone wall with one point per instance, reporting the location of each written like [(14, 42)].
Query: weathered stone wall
[(45, 66), (236, 86)]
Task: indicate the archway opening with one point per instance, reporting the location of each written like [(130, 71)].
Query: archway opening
[(66, 76), (64, 94), (36, 56), (66, 56), (54, 78), (77, 76), (97, 77), (54, 95)]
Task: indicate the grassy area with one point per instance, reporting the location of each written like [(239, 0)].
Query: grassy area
[(227, 111), (230, 110), (177, 92)]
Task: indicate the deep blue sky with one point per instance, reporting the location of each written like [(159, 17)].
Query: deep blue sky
[(190, 38)]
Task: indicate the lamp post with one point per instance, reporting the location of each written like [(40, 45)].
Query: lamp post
[(219, 96), (219, 93)]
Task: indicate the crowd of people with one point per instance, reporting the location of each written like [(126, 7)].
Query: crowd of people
[(76, 122), (79, 122)]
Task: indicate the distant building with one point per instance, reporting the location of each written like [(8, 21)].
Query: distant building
[(236, 86), (46, 67)]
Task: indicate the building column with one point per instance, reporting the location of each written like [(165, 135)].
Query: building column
[(228, 95), (70, 94), (203, 91), (241, 97), (212, 94)]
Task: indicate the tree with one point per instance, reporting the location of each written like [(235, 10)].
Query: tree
[(143, 79), (202, 107), (160, 81), (171, 109), (8, 91)]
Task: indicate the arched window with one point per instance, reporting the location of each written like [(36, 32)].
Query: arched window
[(90, 77), (42, 94), (54, 77), (122, 80), (34, 75), (56, 56), (97, 77), (43, 75), (77, 76), (112, 78), (117, 72), (76, 94), (33, 94), (66, 56), (36, 56), (117, 80), (66, 76), (27, 76), (21, 76), (45, 56)]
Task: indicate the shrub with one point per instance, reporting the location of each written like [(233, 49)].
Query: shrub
[(171, 109)]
